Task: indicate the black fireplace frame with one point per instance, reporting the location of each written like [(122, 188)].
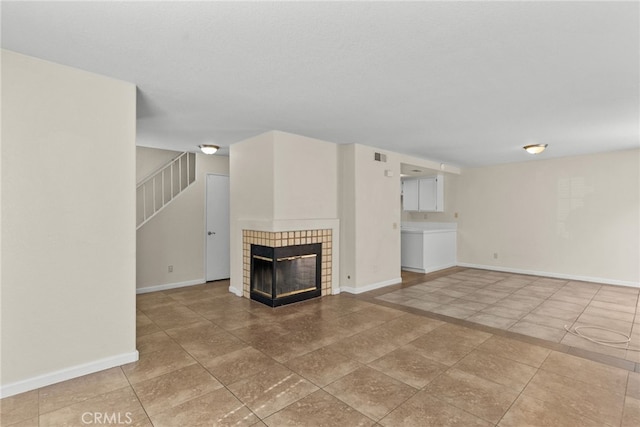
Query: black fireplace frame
[(285, 252)]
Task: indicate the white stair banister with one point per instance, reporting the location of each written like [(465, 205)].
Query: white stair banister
[(162, 186)]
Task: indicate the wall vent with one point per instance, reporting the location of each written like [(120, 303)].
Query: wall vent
[(379, 157)]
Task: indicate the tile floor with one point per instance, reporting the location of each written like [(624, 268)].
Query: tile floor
[(530, 305), (210, 358)]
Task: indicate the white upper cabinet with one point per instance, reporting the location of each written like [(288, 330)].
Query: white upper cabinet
[(423, 194), (410, 195)]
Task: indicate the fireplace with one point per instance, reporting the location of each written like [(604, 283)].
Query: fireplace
[(287, 274)]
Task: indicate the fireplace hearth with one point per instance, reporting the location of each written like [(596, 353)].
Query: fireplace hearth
[(287, 274)]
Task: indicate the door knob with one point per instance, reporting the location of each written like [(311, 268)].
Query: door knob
[(211, 232)]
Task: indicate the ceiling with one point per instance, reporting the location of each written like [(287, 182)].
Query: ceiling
[(466, 83)]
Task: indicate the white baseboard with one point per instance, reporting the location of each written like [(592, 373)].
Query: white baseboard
[(170, 286), (429, 270), (554, 275), (371, 287), (18, 387), (235, 291)]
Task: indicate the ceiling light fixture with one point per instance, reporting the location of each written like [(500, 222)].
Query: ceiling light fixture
[(209, 148), (535, 148)]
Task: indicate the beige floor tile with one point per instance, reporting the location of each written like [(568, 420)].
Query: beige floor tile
[(579, 342), (154, 342), (557, 313), (200, 330), (551, 322), (270, 391), (156, 363), (370, 392), (494, 368), (318, 409), (170, 390), (20, 407), (323, 366), (596, 374), (453, 311), (603, 322), (631, 414), (31, 422), (79, 389), (616, 298), (447, 352), (152, 300), (515, 350), (478, 396), (528, 411), (190, 296), (612, 307), (592, 402), (357, 322), (425, 410), (119, 406), (239, 364), (422, 304), (570, 297), (505, 312), (491, 320), (235, 320), (206, 349), (633, 385), (538, 331), (364, 347), (406, 365), (145, 326), (218, 408), (172, 316), (519, 303)]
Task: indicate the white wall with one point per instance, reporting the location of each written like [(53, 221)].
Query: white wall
[(68, 223), (371, 203), (305, 177), (568, 217), (281, 181), (149, 160), (176, 235)]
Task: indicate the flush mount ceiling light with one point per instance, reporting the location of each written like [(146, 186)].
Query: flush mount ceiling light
[(535, 148), (209, 148)]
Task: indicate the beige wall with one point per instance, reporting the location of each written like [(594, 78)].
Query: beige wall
[(68, 222), (175, 236), (305, 177), (149, 160), (573, 216), (374, 210), (281, 181)]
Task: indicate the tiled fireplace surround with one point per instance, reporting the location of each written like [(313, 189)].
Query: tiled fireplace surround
[(288, 238)]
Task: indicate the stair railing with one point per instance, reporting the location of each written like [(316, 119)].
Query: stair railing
[(164, 185)]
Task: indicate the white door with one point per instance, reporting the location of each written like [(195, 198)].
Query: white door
[(218, 260)]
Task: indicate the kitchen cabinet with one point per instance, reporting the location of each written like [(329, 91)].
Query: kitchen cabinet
[(428, 246), (425, 194)]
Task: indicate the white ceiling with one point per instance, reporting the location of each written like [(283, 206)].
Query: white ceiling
[(467, 83)]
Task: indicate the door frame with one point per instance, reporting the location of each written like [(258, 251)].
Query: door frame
[(206, 208)]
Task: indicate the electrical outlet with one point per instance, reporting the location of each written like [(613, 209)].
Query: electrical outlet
[(171, 269), (495, 255)]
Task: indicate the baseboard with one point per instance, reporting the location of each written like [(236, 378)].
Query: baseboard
[(554, 275), (66, 374), (371, 287), (428, 270), (235, 291), (156, 288)]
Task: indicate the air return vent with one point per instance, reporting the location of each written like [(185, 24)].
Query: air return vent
[(379, 157)]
